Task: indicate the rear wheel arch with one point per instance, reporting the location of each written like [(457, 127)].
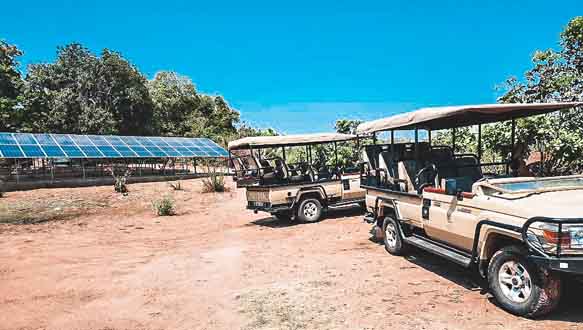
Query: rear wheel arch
[(383, 212)]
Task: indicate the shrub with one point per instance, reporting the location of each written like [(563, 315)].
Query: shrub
[(164, 206), (1, 188), (214, 183), (176, 185), (119, 181)]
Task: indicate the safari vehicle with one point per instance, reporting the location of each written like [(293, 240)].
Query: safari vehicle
[(303, 190), (522, 234)]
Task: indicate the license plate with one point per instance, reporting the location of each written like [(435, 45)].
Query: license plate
[(258, 204)]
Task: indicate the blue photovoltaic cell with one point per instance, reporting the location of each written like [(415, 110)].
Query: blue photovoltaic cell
[(108, 151), (144, 141), (11, 151), (82, 140), (157, 152), (45, 140), (63, 140), (98, 140), (73, 152), (91, 151), (25, 145), (32, 151), (184, 151), (130, 141), (115, 141), (24, 139), (53, 151), (125, 151), (141, 151), (6, 138), (170, 151)]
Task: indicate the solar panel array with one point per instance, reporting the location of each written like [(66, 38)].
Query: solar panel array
[(22, 145)]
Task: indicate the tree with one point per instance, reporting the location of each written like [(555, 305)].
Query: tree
[(556, 76), (10, 87), (82, 93), (175, 100), (347, 126)]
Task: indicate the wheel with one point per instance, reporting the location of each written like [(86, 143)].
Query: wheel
[(520, 286), (392, 237), (310, 210)]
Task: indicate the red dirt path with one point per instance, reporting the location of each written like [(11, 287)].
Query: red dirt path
[(218, 266)]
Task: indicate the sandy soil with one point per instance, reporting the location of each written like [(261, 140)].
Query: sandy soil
[(112, 264)]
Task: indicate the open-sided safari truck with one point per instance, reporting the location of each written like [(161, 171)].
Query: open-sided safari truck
[(303, 189), (521, 233)]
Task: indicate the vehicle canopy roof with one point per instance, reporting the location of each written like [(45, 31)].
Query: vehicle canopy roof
[(288, 140), (436, 118)]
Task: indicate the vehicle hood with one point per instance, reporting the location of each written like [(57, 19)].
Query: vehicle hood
[(556, 204)]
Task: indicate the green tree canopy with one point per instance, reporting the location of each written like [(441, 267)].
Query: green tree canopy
[(83, 93), (10, 86)]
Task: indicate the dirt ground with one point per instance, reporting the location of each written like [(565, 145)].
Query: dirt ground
[(88, 258)]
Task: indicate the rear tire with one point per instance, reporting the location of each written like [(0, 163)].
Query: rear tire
[(392, 237), (310, 210), (521, 287)]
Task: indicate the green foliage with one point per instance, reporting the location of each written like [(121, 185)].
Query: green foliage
[(83, 93), (215, 181), (164, 206), (11, 85), (556, 76), (347, 126), (120, 180)]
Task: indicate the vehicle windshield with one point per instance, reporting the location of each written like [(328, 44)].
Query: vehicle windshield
[(539, 184)]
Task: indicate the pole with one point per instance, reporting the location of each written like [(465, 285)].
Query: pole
[(453, 131), (374, 138), (336, 154), (283, 153), (480, 142), (17, 177), (416, 149), (429, 137)]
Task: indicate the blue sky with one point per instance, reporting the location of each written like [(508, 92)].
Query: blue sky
[(300, 65)]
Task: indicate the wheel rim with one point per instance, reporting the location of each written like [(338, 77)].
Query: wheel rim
[(391, 235), (515, 281), (310, 210)]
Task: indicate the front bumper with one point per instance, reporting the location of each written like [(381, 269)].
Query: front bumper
[(573, 265), (555, 261)]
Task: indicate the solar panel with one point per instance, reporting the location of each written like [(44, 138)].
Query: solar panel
[(25, 145)]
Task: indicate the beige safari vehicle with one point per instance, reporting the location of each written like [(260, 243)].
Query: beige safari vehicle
[(522, 234), (302, 191)]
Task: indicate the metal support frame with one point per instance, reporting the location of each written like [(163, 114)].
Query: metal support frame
[(336, 155), (480, 142), (429, 137), (416, 149), (453, 133)]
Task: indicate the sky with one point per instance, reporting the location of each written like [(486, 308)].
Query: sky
[(298, 66)]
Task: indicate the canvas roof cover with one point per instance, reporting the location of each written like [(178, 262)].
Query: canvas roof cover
[(459, 116), (288, 140)]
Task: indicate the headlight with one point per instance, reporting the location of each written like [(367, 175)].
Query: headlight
[(570, 238)]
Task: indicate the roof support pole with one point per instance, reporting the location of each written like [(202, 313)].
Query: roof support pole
[(310, 155), (416, 149), (336, 155), (283, 153), (480, 143), (512, 143), (52, 171), (429, 136), (374, 138), (392, 147), (453, 132), (17, 175), (83, 168)]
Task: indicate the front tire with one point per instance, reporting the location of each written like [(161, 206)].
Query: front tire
[(310, 210), (520, 286), (392, 237)]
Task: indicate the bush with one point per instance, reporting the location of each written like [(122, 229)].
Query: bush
[(176, 185), (1, 188), (214, 183), (119, 181), (164, 206)]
